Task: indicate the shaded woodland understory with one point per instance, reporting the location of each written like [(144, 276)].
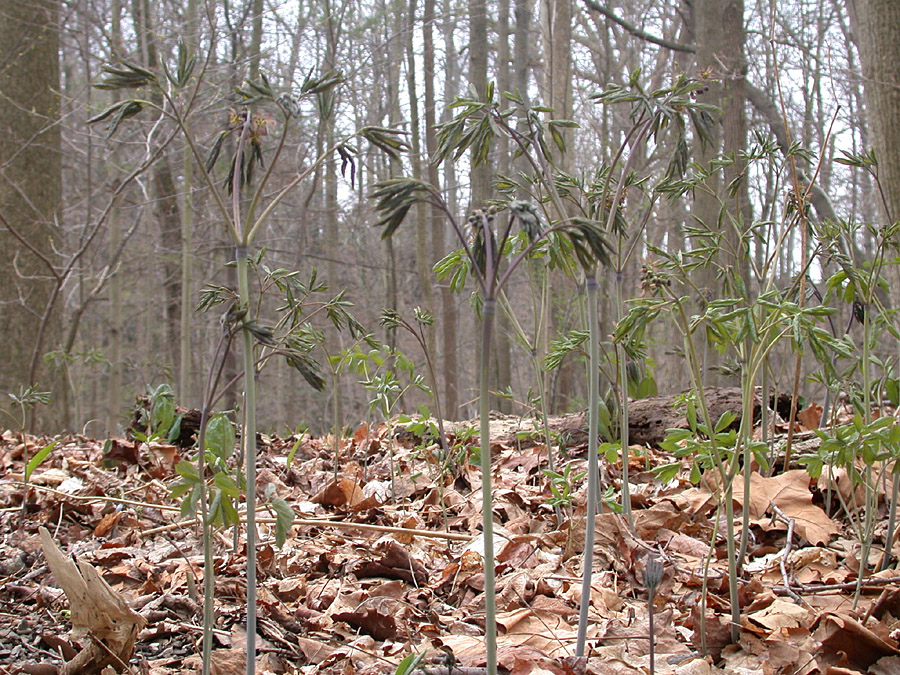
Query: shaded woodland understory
[(372, 569)]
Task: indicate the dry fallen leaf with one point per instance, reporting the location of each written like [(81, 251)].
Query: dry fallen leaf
[(780, 614), (344, 492), (810, 417), (97, 612), (845, 641), (344, 600), (790, 492)]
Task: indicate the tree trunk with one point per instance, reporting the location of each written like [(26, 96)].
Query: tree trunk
[(31, 185), (256, 31), (449, 312), (165, 195), (876, 29), (115, 317), (556, 25), (185, 374), (481, 178), (437, 222), (231, 369), (648, 422), (423, 260), (332, 209), (502, 337), (395, 167), (719, 34), (480, 175)]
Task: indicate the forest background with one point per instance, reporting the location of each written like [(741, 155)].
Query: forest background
[(108, 238)]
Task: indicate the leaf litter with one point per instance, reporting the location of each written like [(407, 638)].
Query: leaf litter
[(374, 569)]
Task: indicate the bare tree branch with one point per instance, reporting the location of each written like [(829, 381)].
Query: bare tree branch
[(766, 107), (27, 244), (637, 32)]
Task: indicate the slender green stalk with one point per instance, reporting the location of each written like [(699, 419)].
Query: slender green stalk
[(764, 414), (623, 409), (187, 253), (484, 405), (892, 523), (248, 437), (593, 462), (336, 429), (744, 442), (213, 378), (249, 445), (732, 561), (24, 511), (390, 430), (724, 477), (208, 560), (640, 130), (866, 530), (545, 422), (704, 586), (653, 573), (439, 413)]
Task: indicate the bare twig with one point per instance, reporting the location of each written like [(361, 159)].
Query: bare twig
[(350, 525), (869, 584), (786, 552), (339, 524), (637, 32)]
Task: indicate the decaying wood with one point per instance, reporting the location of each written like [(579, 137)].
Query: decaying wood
[(190, 422), (649, 418)]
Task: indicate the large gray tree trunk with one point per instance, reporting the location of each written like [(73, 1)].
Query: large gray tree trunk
[(478, 63), (165, 195), (423, 229), (30, 183), (718, 27), (436, 220), (876, 28)]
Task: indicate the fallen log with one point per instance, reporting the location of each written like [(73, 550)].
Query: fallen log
[(649, 419)]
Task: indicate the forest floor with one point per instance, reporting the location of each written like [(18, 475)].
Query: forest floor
[(366, 575)]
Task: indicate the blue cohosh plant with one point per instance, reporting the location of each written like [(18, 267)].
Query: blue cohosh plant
[(747, 323), (305, 304), (206, 481), (338, 363), (26, 400), (581, 216), (483, 239), (392, 319), (867, 452), (158, 419), (243, 211), (386, 390), (603, 200), (869, 447), (562, 488)]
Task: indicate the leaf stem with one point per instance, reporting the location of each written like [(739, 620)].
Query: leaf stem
[(490, 601), (593, 462)]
